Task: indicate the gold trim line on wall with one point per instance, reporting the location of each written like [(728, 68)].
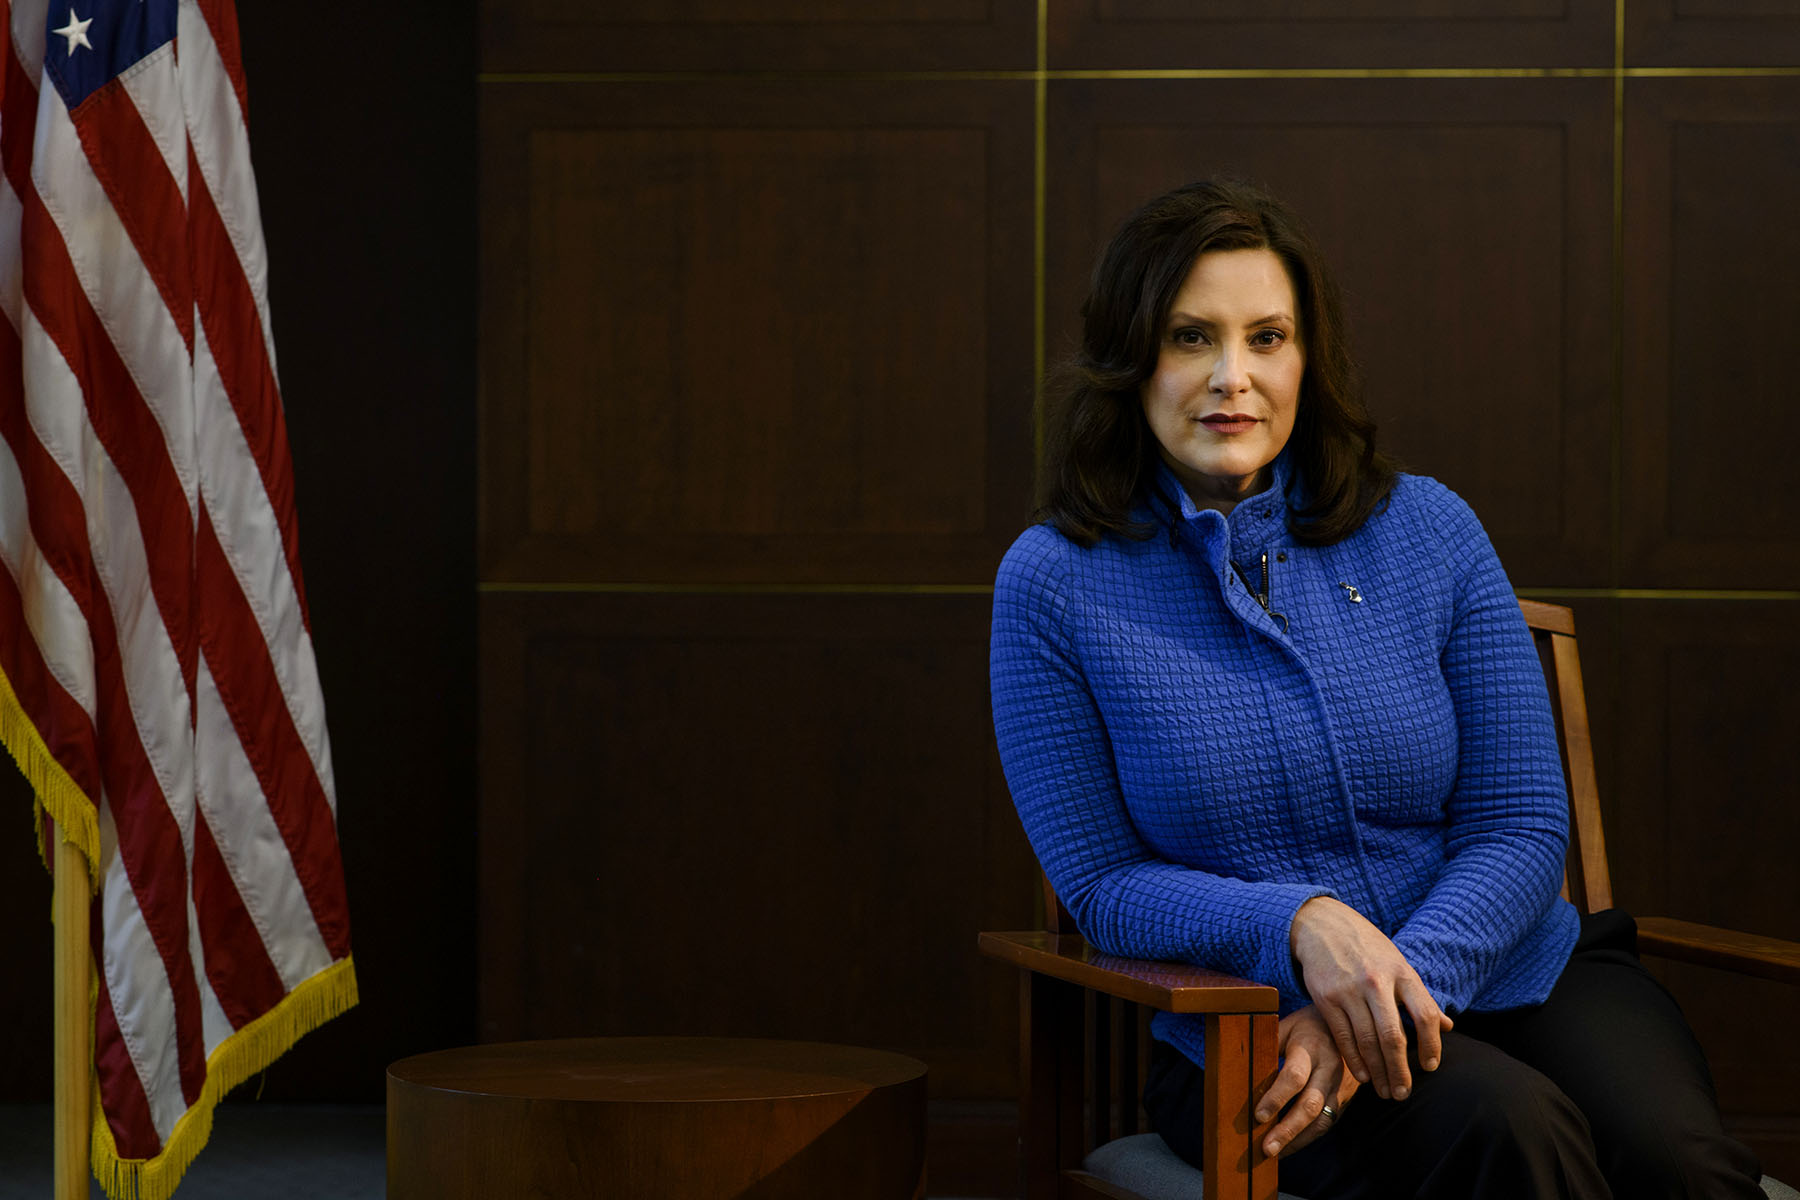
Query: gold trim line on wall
[(1616, 398), (1129, 73), (1040, 186), (984, 589), (736, 589), (1577, 593)]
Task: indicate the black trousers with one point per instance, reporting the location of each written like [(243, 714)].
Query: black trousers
[(1601, 1091)]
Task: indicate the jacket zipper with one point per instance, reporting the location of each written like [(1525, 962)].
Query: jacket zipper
[(1262, 597)]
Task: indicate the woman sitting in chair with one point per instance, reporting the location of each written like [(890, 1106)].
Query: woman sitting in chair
[(1268, 706)]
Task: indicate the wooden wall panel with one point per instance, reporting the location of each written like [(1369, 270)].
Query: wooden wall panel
[(1712, 250), (1248, 34), (1712, 33), (757, 35), (1469, 221), (758, 331), (739, 815), (1711, 818), (682, 376)]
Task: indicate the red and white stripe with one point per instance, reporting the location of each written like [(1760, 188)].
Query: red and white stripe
[(153, 624)]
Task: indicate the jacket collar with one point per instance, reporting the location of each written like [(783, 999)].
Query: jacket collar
[(1256, 522)]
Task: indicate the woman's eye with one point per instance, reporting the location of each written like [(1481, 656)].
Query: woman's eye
[(1267, 337), (1189, 337)]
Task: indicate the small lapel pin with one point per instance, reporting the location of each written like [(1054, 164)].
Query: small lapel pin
[(1355, 596)]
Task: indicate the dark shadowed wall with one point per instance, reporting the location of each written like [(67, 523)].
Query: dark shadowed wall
[(366, 169)]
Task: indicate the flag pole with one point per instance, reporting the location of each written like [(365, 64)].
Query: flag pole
[(70, 906)]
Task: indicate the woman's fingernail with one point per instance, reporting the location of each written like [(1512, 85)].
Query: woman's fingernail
[(1261, 1116), (1362, 1076), (1400, 1093), (1430, 1064), (1271, 1148)]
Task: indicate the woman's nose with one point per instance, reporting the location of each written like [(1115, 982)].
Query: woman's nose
[(1230, 373)]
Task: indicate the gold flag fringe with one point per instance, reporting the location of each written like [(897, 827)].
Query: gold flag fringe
[(325, 995), (251, 1049), (57, 793)]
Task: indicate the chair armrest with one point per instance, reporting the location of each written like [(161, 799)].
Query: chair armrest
[(1164, 986), (1706, 945)]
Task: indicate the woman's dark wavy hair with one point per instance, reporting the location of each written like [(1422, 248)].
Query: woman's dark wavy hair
[(1101, 457)]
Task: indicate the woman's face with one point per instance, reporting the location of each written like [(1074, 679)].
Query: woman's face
[(1227, 382)]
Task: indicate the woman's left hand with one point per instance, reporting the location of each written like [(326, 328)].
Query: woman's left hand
[(1311, 1070)]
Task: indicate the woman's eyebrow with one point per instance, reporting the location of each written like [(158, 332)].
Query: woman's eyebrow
[(1278, 318)]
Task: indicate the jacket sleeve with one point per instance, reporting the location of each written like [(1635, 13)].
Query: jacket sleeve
[(1058, 760), (1508, 812)]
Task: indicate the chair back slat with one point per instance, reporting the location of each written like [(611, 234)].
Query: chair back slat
[(1099, 1070), (1586, 882), (1057, 918), (1131, 1051)]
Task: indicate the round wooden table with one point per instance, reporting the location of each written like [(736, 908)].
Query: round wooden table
[(665, 1118)]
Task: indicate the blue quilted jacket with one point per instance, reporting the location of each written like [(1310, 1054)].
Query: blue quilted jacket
[(1191, 768)]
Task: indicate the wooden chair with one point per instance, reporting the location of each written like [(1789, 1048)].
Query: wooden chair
[(1085, 1015)]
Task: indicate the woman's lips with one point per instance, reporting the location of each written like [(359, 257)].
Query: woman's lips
[(1229, 422)]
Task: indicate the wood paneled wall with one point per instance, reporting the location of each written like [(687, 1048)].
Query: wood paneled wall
[(765, 288)]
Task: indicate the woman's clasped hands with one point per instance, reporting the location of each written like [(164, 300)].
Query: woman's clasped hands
[(1352, 1032)]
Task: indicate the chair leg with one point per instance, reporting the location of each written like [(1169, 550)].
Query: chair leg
[(1263, 1065), (1240, 1060), (1050, 1026)]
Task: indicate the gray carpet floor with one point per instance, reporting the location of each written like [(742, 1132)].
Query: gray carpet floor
[(257, 1151)]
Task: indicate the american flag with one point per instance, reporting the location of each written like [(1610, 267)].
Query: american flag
[(157, 680)]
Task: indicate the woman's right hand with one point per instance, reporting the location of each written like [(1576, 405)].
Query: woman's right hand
[(1359, 981), (1312, 1074)]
